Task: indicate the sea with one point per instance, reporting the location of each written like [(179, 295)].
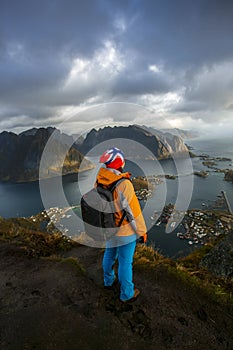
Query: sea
[(186, 191)]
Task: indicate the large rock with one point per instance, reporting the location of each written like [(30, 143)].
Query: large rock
[(220, 259)]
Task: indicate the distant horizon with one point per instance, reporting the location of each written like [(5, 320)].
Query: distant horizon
[(97, 128), (200, 135)]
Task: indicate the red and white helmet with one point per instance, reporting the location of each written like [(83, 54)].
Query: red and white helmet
[(113, 158)]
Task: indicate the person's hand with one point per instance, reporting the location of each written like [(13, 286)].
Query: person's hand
[(143, 239)]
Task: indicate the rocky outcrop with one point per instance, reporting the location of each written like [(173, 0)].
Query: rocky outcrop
[(20, 155), (229, 175), (220, 259), (52, 297), (147, 143), (201, 173)]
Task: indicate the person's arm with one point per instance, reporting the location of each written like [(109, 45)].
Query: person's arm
[(131, 204)]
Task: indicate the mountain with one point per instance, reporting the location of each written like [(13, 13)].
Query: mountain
[(135, 141), (57, 134), (52, 297), (20, 155)]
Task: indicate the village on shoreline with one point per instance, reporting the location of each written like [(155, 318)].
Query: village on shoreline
[(197, 226)]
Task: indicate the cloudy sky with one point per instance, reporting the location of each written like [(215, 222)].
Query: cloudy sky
[(139, 61)]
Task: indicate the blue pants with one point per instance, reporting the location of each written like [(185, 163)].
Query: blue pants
[(124, 254)]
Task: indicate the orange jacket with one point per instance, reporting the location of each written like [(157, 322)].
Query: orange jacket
[(124, 197)]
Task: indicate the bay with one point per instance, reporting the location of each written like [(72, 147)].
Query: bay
[(17, 200)]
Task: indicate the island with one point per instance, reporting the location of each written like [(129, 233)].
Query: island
[(203, 174), (170, 177), (212, 162), (209, 163), (229, 175)]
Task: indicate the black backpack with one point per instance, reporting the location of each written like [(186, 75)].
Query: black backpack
[(98, 212)]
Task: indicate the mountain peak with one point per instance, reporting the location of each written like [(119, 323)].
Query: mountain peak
[(155, 142), (21, 155)]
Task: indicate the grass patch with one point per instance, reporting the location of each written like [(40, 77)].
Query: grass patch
[(193, 260), (218, 289), (74, 264), (187, 272), (148, 257), (27, 234)]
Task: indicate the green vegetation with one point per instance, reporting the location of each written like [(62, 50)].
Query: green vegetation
[(26, 233), (219, 287), (187, 271), (215, 288), (74, 264), (71, 262), (192, 261), (147, 257), (140, 183), (209, 163), (201, 173), (229, 175)]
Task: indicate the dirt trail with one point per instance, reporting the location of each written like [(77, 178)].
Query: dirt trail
[(48, 304)]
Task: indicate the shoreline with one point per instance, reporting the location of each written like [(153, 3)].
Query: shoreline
[(47, 178)]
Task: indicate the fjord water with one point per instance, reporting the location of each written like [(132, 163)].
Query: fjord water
[(25, 200)]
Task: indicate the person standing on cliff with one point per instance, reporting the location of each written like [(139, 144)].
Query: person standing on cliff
[(122, 246)]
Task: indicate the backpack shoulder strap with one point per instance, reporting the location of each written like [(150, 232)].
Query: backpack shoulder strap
[(112, 188)]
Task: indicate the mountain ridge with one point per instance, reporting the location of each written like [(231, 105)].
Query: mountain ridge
[(20, 155), (134, 140)]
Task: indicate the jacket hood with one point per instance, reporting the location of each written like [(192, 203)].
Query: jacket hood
[(106, 177)]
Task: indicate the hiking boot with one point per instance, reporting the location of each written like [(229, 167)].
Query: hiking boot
[(134, 297)]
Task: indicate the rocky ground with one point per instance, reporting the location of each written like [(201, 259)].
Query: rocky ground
[(58, 302)]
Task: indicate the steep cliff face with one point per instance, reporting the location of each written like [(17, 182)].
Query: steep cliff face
[(8, 148), (160, 145), (20, 155), (220, 259)]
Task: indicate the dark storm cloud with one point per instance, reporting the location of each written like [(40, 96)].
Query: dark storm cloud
[(46, 27), (190, 106), (39, 39), (20, 79), (183, 32), (139, 81), (189, 41)]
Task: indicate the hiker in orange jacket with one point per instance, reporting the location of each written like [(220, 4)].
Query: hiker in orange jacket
[(122, 246)]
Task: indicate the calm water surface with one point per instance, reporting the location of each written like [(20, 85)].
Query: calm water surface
[(25, 199)]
